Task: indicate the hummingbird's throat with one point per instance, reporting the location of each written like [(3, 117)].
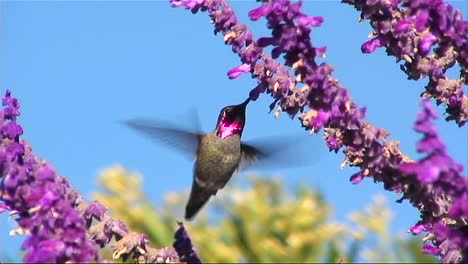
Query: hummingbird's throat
[(229, 129)]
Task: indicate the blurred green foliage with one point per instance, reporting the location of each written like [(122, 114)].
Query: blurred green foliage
[(262, 223)]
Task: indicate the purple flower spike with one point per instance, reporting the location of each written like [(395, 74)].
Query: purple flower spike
[(238, 71), (53, 215), (442, 188), (45, 211), (183, 246), (410, 31)]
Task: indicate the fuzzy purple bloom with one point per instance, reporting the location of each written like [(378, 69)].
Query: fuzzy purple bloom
[(30, 187), (238, 71), (4, 207), (371, 45), (357, 177), (53, 215), (426, 43), (260, 12), (444, 188), (430, 37), (418, 228), (460, 207), (430, 249), (310, 21), (184, 247)]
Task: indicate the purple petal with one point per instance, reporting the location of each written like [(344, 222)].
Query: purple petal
[(320, 120), (418, 228), (403, 26), (421, 20), (371, 45), (4, 207), (426, 43), (183, 245), (460, 207), (11, 130), (238, 71), (310, 21), (431, 250), (357, 178), (257, 13)]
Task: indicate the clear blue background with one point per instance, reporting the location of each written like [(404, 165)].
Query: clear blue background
[(80, 67)]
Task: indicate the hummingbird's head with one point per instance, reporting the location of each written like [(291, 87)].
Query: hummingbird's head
[(231, 120)]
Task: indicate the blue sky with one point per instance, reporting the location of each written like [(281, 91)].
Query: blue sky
[(81, 67)]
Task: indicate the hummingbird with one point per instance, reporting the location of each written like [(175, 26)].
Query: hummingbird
[(218, 155)]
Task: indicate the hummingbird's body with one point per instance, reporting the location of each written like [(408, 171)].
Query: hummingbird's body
[(217, 160), (218, 154)]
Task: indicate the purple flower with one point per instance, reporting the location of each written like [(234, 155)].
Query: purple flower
[(430, 249), (30, 187), (46, 252), (419, 228), (94, 210), (371, 45), (426, 43), (188, 4), (442, 181), (260, 12), (357, 177), (425, 171), (163, 255), (310, 21), (183, 246), (238, 37), (403, 26), (421, 19), (4, 207), (11, 130), (460, 207), (409, 31), (238, 71), (53, 215), (224, 19)]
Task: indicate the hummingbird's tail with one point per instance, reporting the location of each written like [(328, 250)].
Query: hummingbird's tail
[(197, 199)]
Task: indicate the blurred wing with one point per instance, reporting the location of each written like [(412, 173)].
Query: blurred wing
[(166, 133), (249, 155), (279, 152)]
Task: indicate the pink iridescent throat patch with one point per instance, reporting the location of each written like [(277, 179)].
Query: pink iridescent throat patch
[(229, 129)]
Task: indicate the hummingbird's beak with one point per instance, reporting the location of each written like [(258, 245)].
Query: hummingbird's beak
[(244, 104)]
